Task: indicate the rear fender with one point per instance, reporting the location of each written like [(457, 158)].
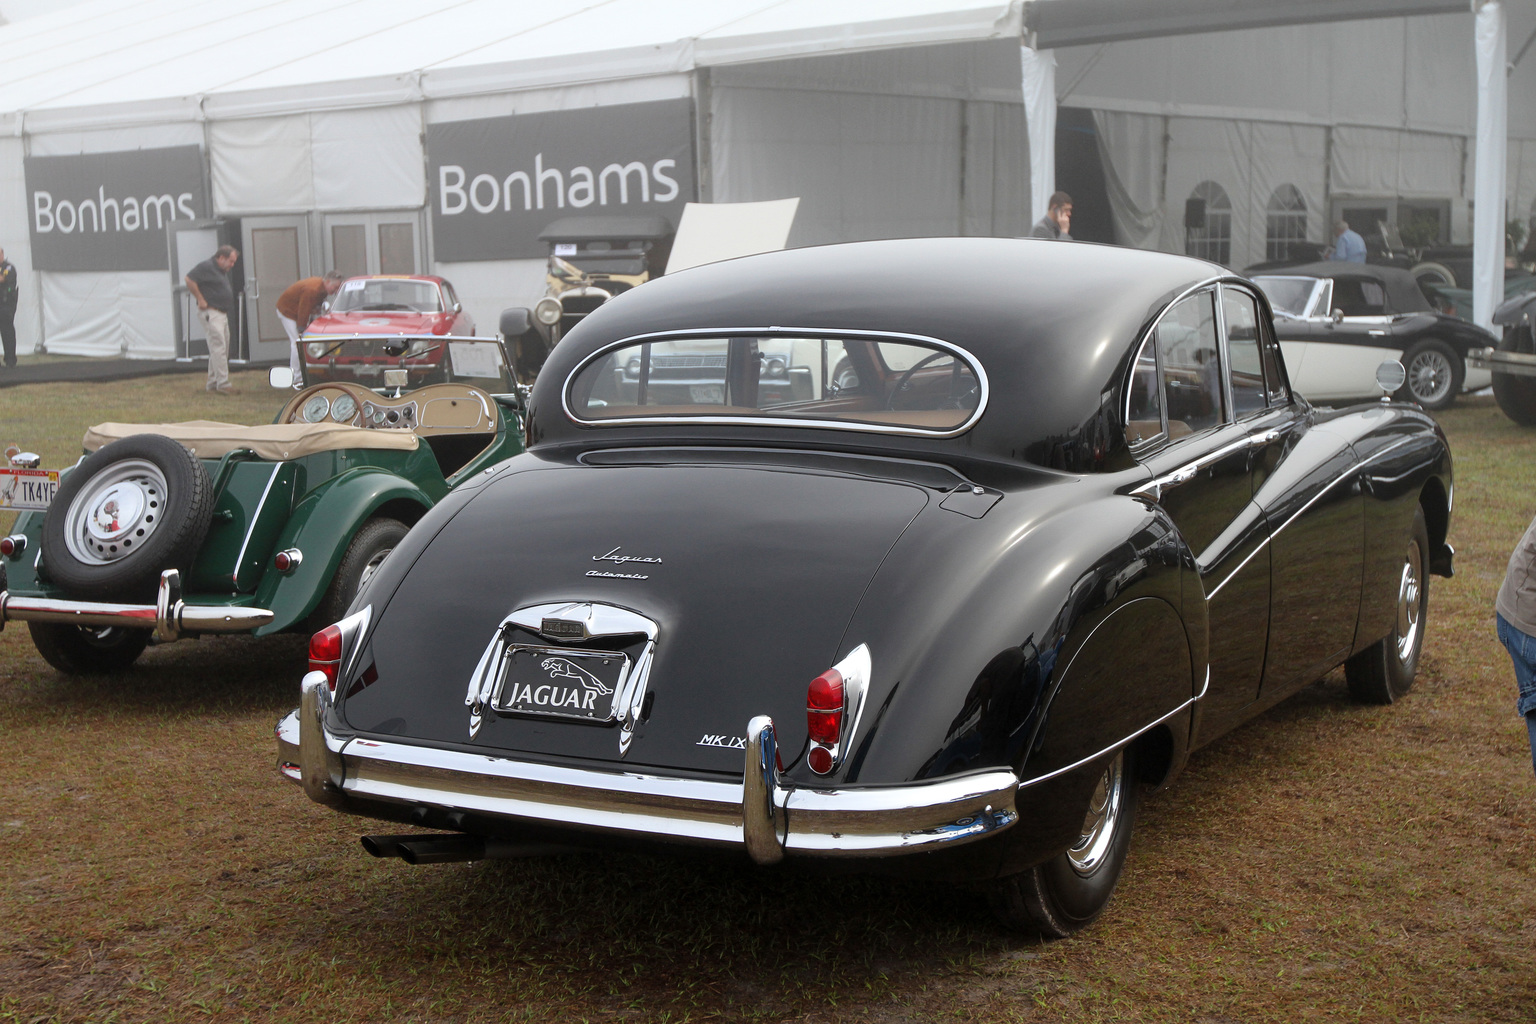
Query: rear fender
[(321, 527), (983, 682)]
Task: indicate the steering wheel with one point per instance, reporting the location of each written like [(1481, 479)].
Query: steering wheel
[(905, 380), (955, 395)]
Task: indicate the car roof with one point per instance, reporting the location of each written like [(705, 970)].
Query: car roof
[(397, 277), (1051, 322), (1403, 292)]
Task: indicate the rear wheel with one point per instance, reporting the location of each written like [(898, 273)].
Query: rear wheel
[(1516, 393), (1069, 891), (1435, 373), (79, 650), (369, 547), (1384, 671)]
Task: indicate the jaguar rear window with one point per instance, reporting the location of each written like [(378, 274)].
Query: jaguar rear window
[(896, 384)]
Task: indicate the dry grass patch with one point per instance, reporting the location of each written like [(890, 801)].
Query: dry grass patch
[(1326, 862)]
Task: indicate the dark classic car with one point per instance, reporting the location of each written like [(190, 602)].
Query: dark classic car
[(425, 309), (176, 529), (945, 620), (1513, 360), (1338, 321)]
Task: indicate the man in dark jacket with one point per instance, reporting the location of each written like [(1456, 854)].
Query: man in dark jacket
[(1057, 220), (9, 296), (209, 284)]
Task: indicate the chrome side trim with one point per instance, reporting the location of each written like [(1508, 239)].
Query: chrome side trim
[(255, 515), (760, 814), (1075, 765), (177, 617), (1357, 467), (783, 421)]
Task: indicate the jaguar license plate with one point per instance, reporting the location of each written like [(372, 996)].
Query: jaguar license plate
[(27, 488), (560, 683)]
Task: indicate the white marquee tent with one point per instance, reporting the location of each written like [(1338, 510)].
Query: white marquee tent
[(902, 117)]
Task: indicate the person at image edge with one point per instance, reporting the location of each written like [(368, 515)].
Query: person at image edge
[(1515, 613)]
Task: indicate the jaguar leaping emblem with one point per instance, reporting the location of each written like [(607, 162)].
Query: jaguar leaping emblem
[(562, 668)]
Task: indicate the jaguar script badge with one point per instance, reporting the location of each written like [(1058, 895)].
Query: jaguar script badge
[(614, 556)]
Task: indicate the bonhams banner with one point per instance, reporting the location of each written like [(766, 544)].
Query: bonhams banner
[(108, 211), (499, 181)]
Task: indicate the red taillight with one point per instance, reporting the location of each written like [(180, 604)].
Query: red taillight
[(8, 546), (824, 707), (820, 760), (325, 654)]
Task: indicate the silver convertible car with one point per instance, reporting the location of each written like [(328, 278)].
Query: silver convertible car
[(944, 611)]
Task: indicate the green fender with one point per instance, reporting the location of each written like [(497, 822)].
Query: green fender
[(321, 527)]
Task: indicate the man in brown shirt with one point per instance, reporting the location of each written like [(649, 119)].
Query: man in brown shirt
[(297, 306)]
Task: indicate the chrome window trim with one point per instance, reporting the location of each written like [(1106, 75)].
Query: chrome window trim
[(809, 333), (1148, 334)]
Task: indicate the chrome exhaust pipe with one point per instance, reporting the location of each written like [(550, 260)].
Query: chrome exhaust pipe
[(416, 848)]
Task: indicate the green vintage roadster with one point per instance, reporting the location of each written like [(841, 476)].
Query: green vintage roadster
[(165, 530)]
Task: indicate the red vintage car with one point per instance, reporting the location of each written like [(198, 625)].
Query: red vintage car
[(417, 306)]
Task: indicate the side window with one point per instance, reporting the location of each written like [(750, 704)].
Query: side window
[(1357, 297), (1278, 394), (1188, 350), (1240, 313), (1144, 419)]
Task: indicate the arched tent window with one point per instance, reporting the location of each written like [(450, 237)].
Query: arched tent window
[(1285, 222), (1208, 224)]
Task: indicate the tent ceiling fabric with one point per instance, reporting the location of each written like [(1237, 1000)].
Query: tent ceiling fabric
[(1084, 22), (256, 57)]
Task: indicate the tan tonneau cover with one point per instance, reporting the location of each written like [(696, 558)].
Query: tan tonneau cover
[(208, 439)]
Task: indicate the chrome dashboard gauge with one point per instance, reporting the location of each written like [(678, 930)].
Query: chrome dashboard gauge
[(344, 409), (316, 408)]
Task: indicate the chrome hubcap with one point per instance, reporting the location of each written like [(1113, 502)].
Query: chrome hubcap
[(1101, 821), (1429, 378), (1408, 591), (116, 512)]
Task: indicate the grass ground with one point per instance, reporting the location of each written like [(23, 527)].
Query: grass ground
[(1325, 862)]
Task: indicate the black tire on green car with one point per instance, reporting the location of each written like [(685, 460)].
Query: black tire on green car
[(372, 542), (1069, 891), (1516, 393), (85, 650), (1384, 671), (129, 510), (1435, 373)]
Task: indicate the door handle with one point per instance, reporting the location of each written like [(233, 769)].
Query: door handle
[(1268, 437)]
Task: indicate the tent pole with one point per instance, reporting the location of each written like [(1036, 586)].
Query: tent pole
[(1492, 144), (1040, 123)]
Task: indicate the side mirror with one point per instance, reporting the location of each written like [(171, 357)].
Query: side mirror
[(515, 321), (280, 376), (1337, 316), (1390, 377)]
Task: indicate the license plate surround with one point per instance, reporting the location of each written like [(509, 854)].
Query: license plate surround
[(595, 678)]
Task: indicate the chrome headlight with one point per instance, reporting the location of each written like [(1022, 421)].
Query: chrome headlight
[(317, 350), (547, 311)]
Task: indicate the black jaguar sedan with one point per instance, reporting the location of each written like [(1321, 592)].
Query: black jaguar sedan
[(1337, 321), (944, 615)]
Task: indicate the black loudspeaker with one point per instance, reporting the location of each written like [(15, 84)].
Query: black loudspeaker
[(1194, 214)]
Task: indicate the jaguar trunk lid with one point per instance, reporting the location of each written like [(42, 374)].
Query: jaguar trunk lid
[(641, 614)]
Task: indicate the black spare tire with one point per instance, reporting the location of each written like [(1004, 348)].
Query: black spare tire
[(128, 511)]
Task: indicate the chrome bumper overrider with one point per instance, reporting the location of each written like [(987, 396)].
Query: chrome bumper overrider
[(169, 616), (762, 814)]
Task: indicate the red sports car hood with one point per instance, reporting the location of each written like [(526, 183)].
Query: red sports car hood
[(377, 321), (750, 574)]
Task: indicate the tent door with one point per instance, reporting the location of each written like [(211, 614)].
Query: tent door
[(277, 254), (382, 242)]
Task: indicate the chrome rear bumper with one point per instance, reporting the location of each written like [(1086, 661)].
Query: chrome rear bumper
[(761, 814), (169, 616)]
